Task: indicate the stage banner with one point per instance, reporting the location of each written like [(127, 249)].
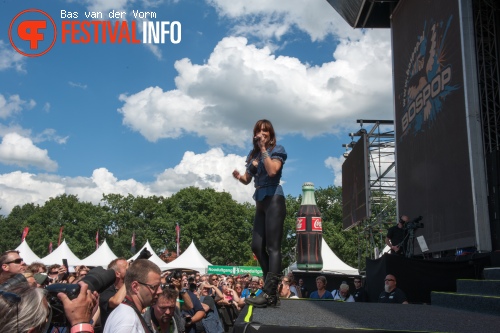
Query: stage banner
[(235, 270), (432, 151)]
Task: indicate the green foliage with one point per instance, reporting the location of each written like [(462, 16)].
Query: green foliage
[(220, 227)]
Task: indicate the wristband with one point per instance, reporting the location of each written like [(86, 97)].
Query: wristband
[(82, 327)]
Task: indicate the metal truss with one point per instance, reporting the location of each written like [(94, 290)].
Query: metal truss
[(486, 12)]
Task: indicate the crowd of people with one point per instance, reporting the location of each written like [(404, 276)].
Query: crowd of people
[(141, 298)]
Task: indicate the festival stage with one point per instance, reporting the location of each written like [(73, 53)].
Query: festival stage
[(305, 315)]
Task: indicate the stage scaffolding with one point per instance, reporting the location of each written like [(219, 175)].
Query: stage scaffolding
[(382, 180), (486, 26)]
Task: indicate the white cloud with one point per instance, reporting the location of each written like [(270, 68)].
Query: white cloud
[(9, 58), (13, 104), (212, 169), (77, 85), (240, 83), (18, 150), (273, 19), (335, 163)]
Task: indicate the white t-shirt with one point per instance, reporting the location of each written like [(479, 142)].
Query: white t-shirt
[(338, 297), (123, 319)]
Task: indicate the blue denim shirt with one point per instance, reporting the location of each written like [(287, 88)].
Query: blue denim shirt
[(265, 185)]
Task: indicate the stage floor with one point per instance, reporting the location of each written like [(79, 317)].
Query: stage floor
[(304, 315)]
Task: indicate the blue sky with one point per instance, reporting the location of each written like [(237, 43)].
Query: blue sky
[(88, 119)]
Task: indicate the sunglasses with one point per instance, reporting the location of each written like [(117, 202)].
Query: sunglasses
[(15, 261), (388, 280), (53, 273)]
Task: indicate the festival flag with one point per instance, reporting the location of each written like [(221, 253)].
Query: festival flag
[(50, 247), (60, 236), (178, 231), (25, 233), (97, 240), (132, 244)]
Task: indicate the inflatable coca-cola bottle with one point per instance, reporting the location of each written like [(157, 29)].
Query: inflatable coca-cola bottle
[(309, 232)]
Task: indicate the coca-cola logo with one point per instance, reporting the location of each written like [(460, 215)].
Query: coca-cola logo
[(316, 224), (300, 224)]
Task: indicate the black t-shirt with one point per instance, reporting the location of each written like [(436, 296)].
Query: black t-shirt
[(397, 237), (360, 295), (397, 296)]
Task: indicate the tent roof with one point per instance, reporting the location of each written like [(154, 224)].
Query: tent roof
[(62, 252), (190, 259), (331, 263), (101, 257), (154, 258), (26, 253)]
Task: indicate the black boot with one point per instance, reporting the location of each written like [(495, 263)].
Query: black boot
[(269, 295)]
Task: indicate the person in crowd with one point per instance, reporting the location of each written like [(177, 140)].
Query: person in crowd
[(360, 294), (391, 293), (11, 264), (229, 296), (342, 294), (184, 300), (253, 288), (115, 294), (142, 284), (285, 291), (265, 164), (192, 310), (238, 288), (164, 316), (321, 293), (25, 309), (396, 237), (303, 290), (293, 286), (37, 267), (30, 278), (211, 323), (82, 272), (57, 274)]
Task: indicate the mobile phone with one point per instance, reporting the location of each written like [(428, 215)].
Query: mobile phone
[(65, 264)]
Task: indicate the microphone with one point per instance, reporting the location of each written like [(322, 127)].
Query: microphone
[(256, 139)]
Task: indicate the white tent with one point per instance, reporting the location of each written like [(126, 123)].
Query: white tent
[(101, 257), (154, 258), (62, 252), (190, 259), (26, 253), (331, 263)]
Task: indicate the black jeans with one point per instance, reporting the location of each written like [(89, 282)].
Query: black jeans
[(268, 231)]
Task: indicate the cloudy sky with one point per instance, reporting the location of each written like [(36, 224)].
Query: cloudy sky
[(151, 119)]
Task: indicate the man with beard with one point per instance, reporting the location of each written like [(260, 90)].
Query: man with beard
[(165, 316), (143, 285), (391, 293)]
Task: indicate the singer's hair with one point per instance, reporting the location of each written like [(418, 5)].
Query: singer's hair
[(272, 136)]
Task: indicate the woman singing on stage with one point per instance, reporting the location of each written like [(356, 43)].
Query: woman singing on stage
[(265, 164)]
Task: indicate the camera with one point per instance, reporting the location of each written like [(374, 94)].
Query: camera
[(415, 223), (145, 254), (98, 279)]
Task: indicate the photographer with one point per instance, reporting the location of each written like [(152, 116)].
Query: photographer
[(25, 309), (397, 237)]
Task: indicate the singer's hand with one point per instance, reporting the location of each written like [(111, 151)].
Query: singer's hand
[(236, 174)]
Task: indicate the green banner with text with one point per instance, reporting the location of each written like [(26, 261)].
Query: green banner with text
[(235, 270)]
